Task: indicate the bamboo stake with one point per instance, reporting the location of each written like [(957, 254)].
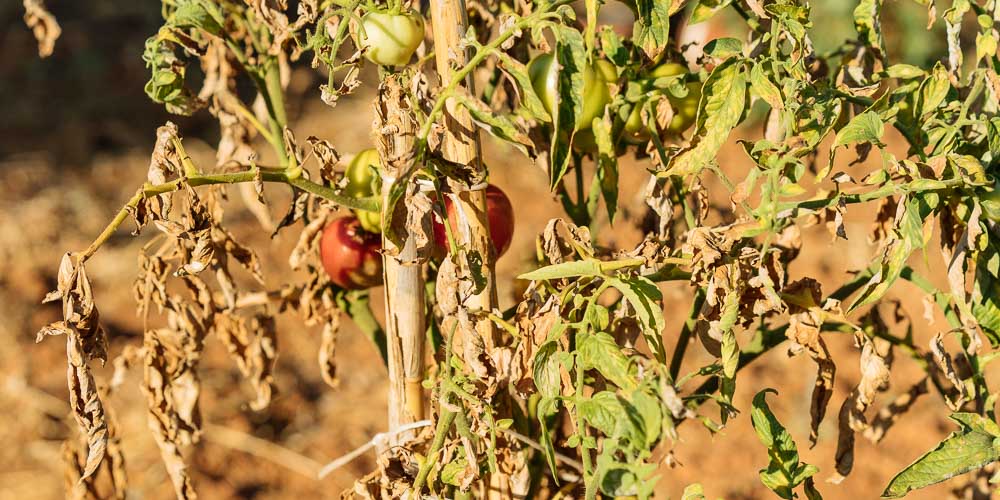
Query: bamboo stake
[(404, 279), (460, 144)]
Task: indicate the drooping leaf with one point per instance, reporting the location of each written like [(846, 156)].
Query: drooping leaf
[(644, 296), (975, 445), (723, 102), (784, 472)]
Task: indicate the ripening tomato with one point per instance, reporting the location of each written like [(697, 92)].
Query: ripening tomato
[(360, 174), (544, 75), (351, 255), (685, 108), (499, 212), (390, 39)]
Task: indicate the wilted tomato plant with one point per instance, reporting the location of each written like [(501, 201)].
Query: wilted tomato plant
[(578, 389)]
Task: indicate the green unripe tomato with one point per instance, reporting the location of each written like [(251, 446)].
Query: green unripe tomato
[(545, 81), (390, 39), (668, 69), (360, 174), (685, 108)]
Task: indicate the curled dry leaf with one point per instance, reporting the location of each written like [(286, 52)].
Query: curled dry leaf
[(110, 481), (327, 351), (803, 297), (172, 388), (43, 25), (85, 340), (943, 361), (875, 361)]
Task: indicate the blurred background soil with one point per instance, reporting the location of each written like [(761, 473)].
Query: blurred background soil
[(75, 138)]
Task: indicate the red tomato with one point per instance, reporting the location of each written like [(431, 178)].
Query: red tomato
[(351, 255), (501, 220)]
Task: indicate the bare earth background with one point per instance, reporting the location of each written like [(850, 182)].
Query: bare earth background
[(74, 144)]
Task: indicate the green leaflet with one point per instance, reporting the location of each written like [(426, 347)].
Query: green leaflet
[(975, 445), (866, 20), (723, 102), (644, 297), (985, 298), (529, 99), (730, 347), (600, 352), (497, 124), (572, 58), (784, 472), (866, 127), (907, 237), (571, 269), (706, 9), (651, 31), (607, 167)]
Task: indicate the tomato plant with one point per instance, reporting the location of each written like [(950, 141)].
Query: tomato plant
[(579, 388)]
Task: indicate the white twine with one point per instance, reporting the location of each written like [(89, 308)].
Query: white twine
[(380, 439)]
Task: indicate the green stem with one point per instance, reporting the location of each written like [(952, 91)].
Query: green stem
[(685, 336), (359, 310), (440, 433), (459, 76)]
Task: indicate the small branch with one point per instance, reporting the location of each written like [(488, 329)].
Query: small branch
[(370, 203), (112, 226), (261, 448)]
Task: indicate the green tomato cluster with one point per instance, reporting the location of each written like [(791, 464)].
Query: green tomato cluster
[(360, 176), (685, 108), (544, 73)]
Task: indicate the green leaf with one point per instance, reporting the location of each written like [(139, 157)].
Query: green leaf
[(723, 102), (693, 492), (973, 446), (603, 411), (764, 88), (546, 369), (498, 125), (572, 59), (985, 298), (784, 472), (529, 99), (600, 352), (904, 71), (706, 9), (451, 472), (607, 167), (730, 348), (651, 31), (867, 22), (547, 407), (723, 48), (866, 127), (571, 269), (644, 297), (906, 238), (198, 14)]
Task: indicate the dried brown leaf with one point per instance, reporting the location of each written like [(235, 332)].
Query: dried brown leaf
[(43, 25)]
